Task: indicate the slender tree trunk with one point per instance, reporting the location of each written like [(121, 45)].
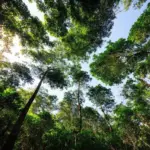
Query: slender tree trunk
[(17, 126), (111, 129), (106, 120), (79, 108), (75, 140), (80, 118)]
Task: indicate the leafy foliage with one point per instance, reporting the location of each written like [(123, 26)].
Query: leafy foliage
[(139, 32), (113, 64), (34, 119), (119, 60), (16, 18), (55, 78), (80, 26), (13, 73), (101, 96), (135, 3)]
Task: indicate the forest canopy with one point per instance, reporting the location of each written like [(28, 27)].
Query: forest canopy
[(51, 55)]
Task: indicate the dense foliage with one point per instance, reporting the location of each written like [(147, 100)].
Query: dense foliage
[(34, 118)]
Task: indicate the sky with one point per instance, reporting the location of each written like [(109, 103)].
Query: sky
[(122, 24)]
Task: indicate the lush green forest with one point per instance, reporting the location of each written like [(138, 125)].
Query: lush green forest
[(55, 48)]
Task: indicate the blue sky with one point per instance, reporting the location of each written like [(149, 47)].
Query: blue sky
[(124, 21), (122, 24)]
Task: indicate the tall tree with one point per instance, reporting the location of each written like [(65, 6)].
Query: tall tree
[(131, 120), (55, 79), (80, 79), (91, 119), (103, 99), (68, 110)]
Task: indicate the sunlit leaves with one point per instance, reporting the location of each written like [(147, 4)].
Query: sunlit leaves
[(80, 26), (17, 19), (55, 18), (33, 129), (140, 31), (142, 69), (111, 66), (9, 98), (135, 3), (120, 59)]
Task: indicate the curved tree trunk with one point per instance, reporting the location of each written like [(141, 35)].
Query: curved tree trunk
[(17, 126)]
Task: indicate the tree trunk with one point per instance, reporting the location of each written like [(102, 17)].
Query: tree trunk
[(110, 127), (79, 108), (80, 118), (17, 126), (106, 120)]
